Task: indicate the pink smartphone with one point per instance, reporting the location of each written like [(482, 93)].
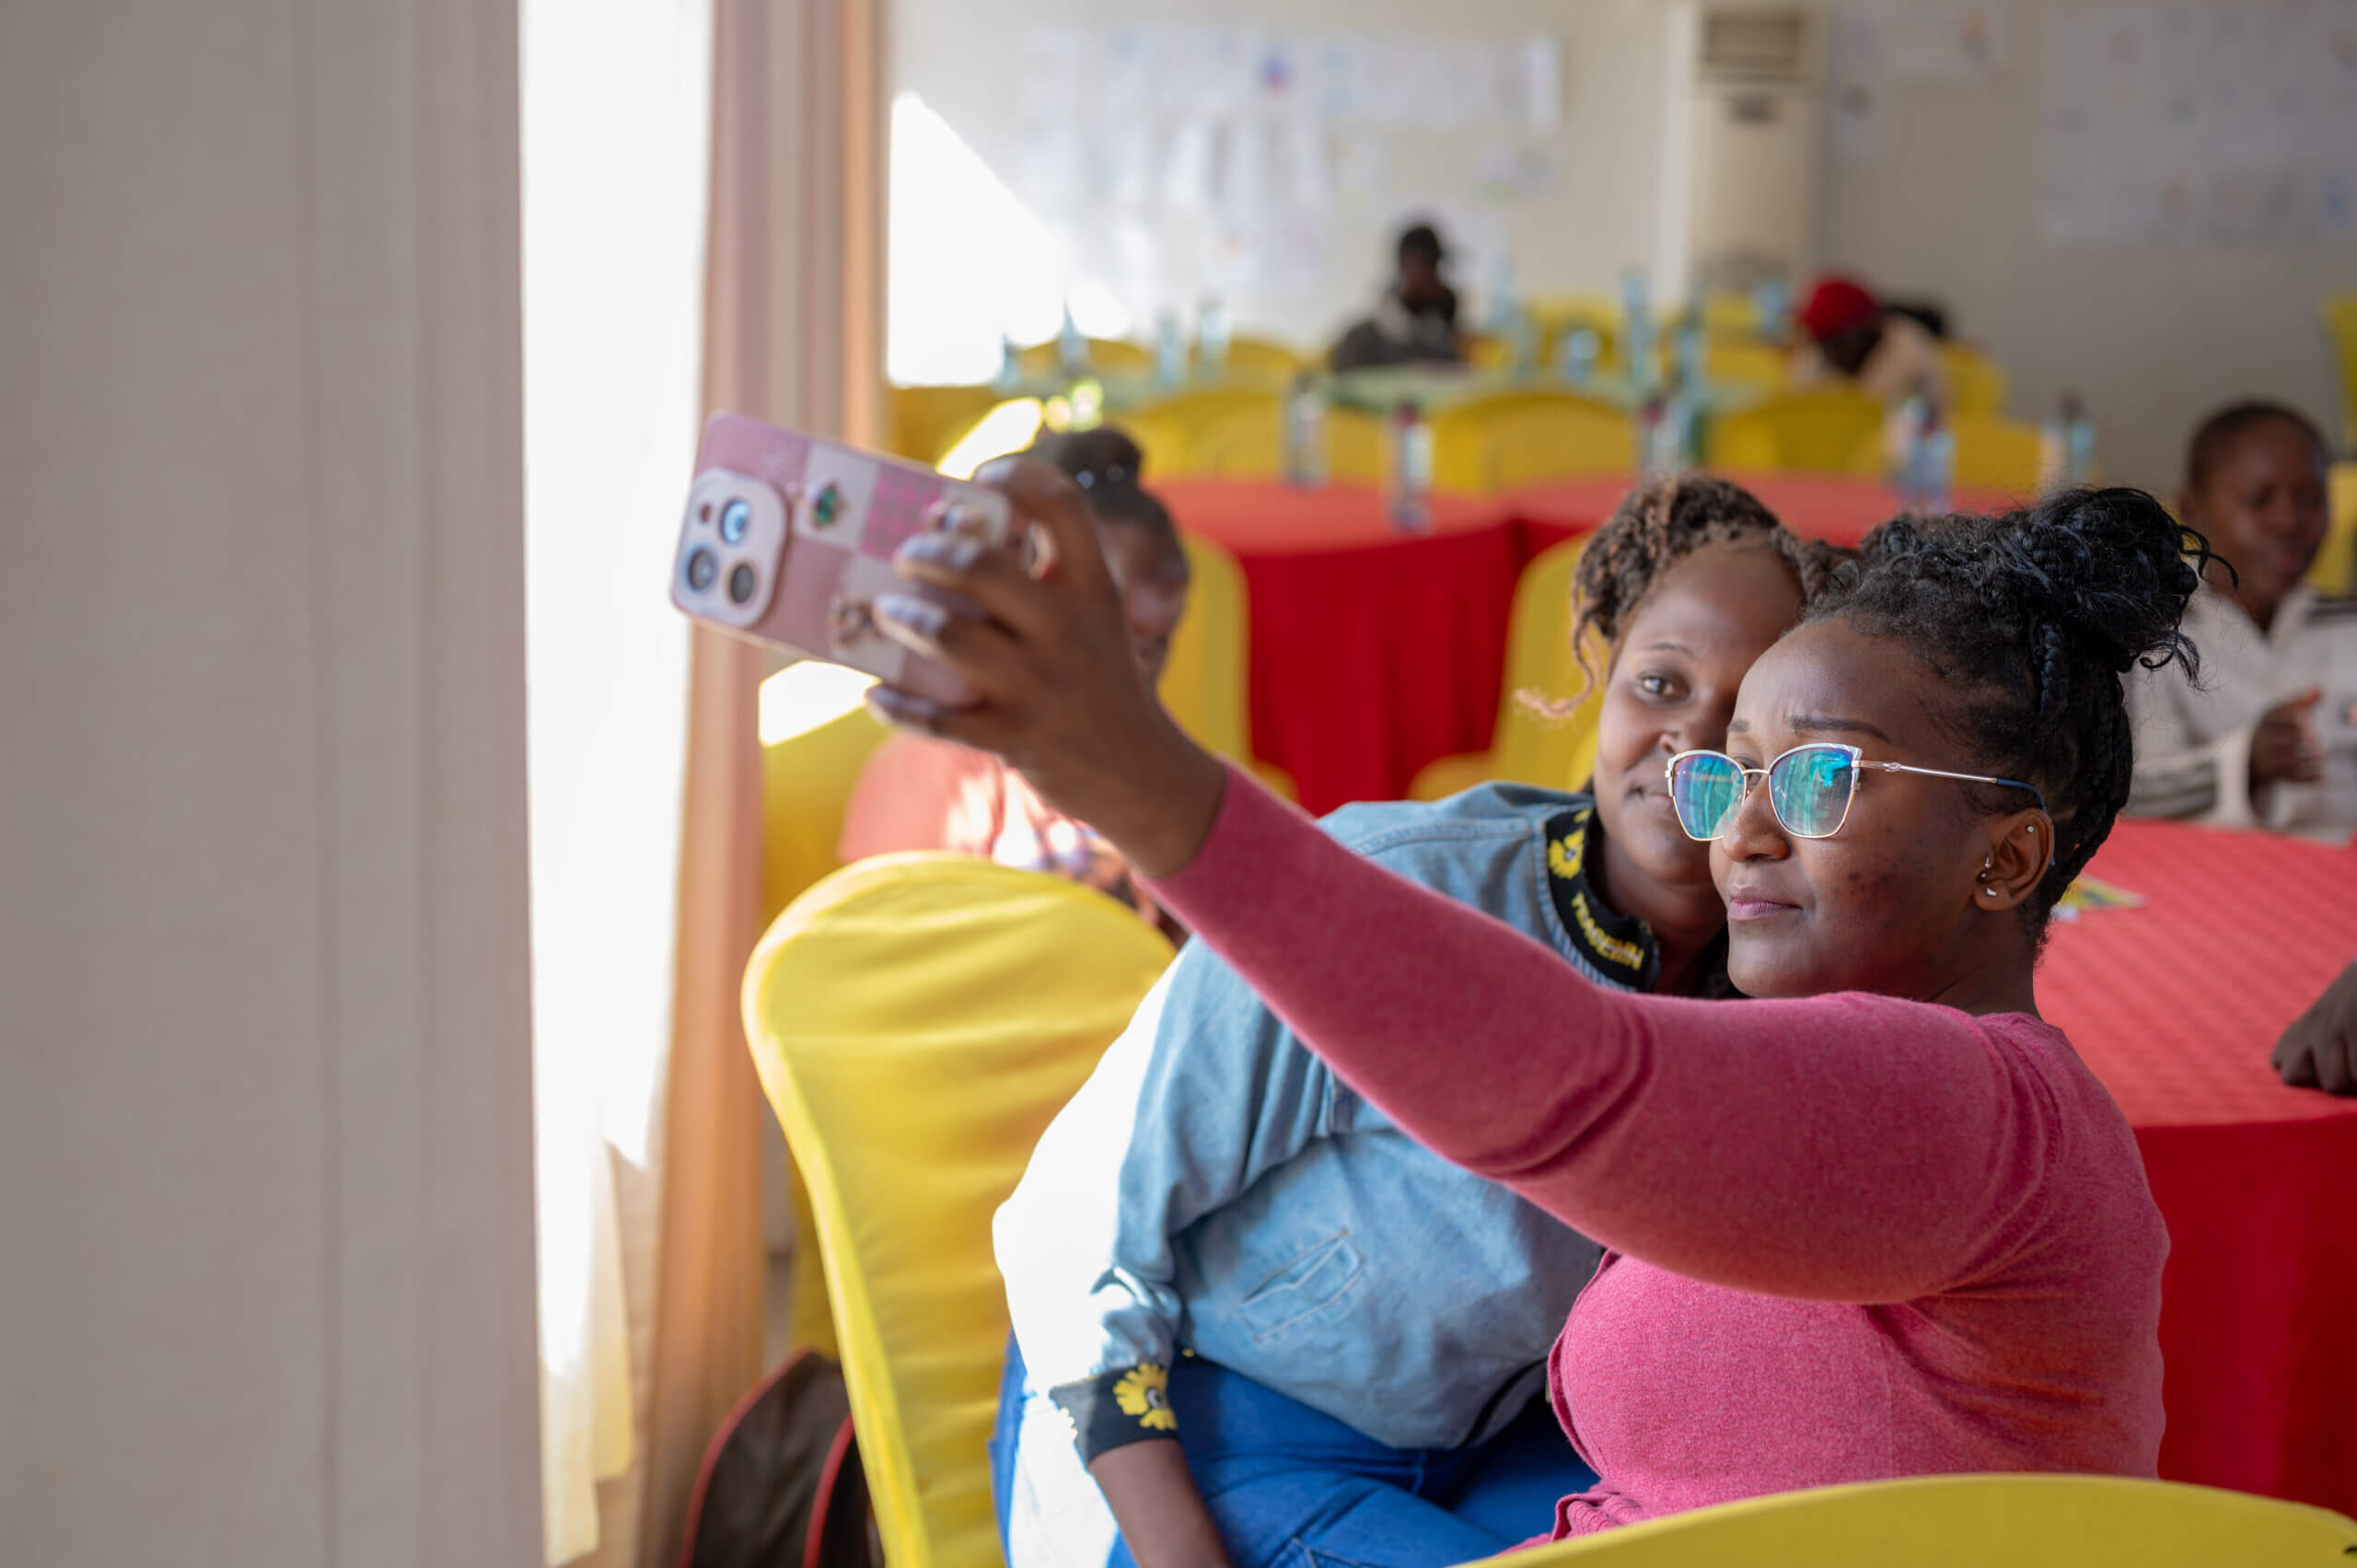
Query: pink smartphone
[(789, 540)]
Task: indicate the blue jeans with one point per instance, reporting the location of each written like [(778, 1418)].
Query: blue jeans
[(1287, 1486)]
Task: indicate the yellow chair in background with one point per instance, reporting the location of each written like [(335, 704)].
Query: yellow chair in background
[(1106, 356), (2340, 340), (917, 1021), (1835, 431), (1206, 684), (1175, 430), (1996, 453), (1976, 384), (927, 421), (1528, 746), (1262, 359), (2335, 569), (1745, 362), (1513, 438), (1973, 1521)]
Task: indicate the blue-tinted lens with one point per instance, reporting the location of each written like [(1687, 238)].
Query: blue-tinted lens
[(1705, 788), (1810, 789)]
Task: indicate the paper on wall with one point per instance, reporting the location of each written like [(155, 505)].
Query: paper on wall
[(1052, 75), (1309, 170), (1952, 41), (1363, 169), (1537, 69), (1857, 104), (1186, 172), (1334, 69)]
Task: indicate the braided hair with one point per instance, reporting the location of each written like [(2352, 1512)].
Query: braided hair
[(1656, 526), (2029, 622)]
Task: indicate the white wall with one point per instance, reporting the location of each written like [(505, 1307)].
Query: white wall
[(961, 57), (2151, 337), (265, 1128)]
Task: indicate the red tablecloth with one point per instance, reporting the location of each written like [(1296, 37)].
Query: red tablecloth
[(2176, 1005), (1373, 652), (1376, 652), (1822, 506)]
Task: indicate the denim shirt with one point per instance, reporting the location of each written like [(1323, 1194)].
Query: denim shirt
[(1214, 1189)]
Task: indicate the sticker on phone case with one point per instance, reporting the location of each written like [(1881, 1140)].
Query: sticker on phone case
[(836, 491)]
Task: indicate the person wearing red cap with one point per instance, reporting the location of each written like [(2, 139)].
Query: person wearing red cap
[(1850, 337)]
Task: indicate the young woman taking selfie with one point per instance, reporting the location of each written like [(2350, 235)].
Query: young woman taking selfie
[(1880, 1222), (1365, 1325)]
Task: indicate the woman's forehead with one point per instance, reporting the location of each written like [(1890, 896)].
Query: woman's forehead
[(1827, 680)]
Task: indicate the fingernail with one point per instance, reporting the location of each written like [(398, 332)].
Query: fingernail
[(904, 708), (908, 619), (955, 550)]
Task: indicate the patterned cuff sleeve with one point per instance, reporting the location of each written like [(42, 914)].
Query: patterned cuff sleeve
[(1130, 1404)]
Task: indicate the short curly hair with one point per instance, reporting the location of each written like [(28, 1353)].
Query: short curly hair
[(1656, 526), (2028, 622)]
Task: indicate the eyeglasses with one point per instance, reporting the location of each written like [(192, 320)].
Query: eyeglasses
[(1810, 788)]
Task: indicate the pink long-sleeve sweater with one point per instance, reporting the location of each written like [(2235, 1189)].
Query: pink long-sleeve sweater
[(1850, 1236)]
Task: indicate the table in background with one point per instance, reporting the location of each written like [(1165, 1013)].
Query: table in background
[(1374, 651), (1833, 507), (2176, 1006)]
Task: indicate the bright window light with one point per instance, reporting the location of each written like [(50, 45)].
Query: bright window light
[(1009, 427), (801, 697)]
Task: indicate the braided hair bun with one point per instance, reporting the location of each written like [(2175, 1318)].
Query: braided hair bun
[(1108, 463), (2031, 620)]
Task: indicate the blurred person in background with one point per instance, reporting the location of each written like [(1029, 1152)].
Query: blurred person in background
[(1416, 320), (1851, 338), (920, 794), (2318, 1051), (2268, 739)]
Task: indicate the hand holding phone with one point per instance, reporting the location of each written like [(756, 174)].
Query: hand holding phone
[(789, 540)]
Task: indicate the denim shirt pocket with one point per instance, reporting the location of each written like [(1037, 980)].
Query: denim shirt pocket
[(1309, 1283)]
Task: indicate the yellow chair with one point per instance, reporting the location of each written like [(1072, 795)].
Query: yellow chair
[(1262, 359), (917, 1021), (1996, 453), (1174, 430), (927, 421), (1530, 748), (2341, 338), (1976, 385), (1835, 431), (1106, 356), (2335, 569), (1206, 683), (1515, 438), (1745, 362), (1973, 1521)]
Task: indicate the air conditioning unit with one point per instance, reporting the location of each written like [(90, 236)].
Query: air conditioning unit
[(1744, 145)]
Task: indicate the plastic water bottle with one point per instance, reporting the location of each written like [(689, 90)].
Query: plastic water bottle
[(1637, 335), (1072, 348), (1010, 363), (1304, 434), (1651, 414), (1503, 304), (1686, 351), (1170, 350), (1680, 449), (1211, 333), (1927, 458), (1410, 453), (1577, 353), (2066, 448), (1771, 303)]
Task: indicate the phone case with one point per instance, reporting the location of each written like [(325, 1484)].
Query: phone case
[(789, 538)]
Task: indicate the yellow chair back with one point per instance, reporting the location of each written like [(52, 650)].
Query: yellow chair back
[(1528, 746), (1203, 684), (1515, 438), (807, 776), (1745, 362), (1106, 356), (917, 1021), (1973, 1521), (1834, 431), (2340, 340), (2334, 568), (1262, 359), (1996, 453), (1976, 384), (927, 421), (1182, 434)]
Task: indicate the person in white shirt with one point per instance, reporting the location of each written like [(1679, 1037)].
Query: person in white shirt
[(2269, 738)]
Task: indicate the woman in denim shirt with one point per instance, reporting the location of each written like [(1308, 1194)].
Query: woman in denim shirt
[(1254, 1322)]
